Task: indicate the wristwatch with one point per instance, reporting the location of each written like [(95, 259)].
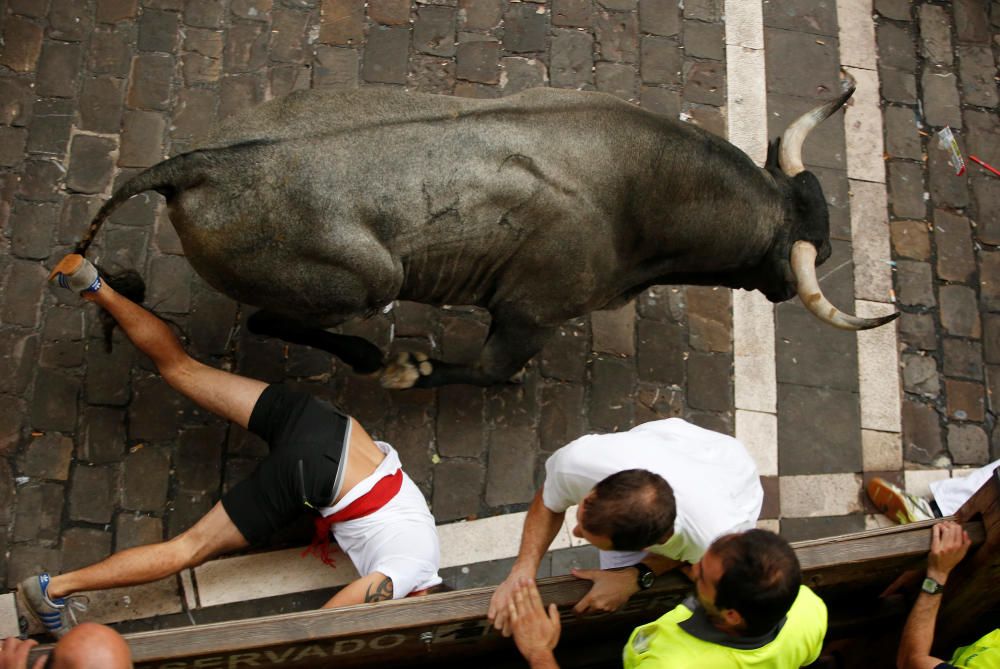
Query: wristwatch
[(931, 587), (646, 576)]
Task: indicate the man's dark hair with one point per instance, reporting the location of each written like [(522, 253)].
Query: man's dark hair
[(634, 508), (761, 578)]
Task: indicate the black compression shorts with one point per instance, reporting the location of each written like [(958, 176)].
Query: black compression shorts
[(308, 440)]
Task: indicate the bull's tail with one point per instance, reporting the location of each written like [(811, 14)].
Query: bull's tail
[(167, 178)]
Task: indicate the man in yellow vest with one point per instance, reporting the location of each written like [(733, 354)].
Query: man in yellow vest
[(749, 609)]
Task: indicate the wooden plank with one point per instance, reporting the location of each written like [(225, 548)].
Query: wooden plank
[(438, 629), (867, 556), (466, 609)]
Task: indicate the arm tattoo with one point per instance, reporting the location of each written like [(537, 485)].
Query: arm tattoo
[(383, 591)]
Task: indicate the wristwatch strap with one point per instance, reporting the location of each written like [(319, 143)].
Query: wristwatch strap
[(931, 587), (645, 576)]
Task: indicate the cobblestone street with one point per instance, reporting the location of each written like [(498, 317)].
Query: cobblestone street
[(98, 454)]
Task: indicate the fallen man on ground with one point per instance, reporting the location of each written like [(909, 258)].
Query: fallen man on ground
[(320, 459)]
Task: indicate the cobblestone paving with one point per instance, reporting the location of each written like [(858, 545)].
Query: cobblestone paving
[(98, 454), (938, 68)]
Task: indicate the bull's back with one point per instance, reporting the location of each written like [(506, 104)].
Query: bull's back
[(315, 113), (452, 188)]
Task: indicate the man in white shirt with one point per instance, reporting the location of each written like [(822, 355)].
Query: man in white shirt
[(651, 499)]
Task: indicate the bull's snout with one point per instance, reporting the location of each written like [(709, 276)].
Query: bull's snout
[(804, 268)]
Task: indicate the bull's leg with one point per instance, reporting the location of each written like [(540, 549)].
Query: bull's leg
[(363, 356), (511, 343)]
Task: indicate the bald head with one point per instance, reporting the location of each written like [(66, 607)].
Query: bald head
[(91, 646)]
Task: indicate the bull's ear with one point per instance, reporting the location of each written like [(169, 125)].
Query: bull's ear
[(773, 147)]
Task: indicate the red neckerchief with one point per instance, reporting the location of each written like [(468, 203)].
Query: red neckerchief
[(373, 500)]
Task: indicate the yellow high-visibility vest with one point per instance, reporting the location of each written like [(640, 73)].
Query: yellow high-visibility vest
[(663, 643), (983, 654)]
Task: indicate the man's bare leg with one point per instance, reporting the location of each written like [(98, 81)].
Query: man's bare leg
[(227, 395), (213, 535)]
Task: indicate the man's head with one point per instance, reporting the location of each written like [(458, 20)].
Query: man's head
[(91, 646), (627, 511), (747, 582)]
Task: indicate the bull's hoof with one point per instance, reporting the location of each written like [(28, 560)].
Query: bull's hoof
[(405, 371), (518, 378)]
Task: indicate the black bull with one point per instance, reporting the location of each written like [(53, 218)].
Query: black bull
[(323, 206)]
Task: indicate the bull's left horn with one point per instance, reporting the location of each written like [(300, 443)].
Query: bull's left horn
[(790, 155), (807, 286)]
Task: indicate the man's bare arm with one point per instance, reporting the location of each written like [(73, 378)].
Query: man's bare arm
[(613, 587), (915, 645), (374, 587), (949, 544), (540, 527), (536, 629), (661, 564), (379, 591)]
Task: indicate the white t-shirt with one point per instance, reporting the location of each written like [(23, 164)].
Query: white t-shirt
[(399, 540), (714, 479)]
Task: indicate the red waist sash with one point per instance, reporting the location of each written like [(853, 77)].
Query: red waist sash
[(384, 490)]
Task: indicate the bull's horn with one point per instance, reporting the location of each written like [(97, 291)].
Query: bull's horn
[(804, 268), (790, 155)]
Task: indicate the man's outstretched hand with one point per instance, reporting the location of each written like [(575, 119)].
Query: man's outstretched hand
[(502, 597), (949, 544), (14, 654), (611, 589), (536, 632)]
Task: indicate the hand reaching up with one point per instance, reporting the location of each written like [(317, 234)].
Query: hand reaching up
[(536, 632)]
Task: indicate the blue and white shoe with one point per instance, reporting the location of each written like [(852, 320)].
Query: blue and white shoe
[(56, 615), (76, 273)]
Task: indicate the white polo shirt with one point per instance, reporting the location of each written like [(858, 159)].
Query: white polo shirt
[(714, 479)]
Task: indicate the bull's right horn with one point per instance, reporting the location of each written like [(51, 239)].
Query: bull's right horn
[(804, 269), (790, 154)]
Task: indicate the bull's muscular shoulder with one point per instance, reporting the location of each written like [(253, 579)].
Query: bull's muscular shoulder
[(310, 113)]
